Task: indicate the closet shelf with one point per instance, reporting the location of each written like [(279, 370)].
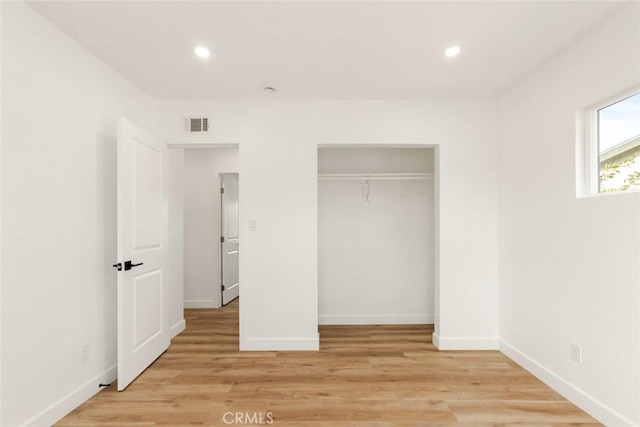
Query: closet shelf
[(374, 176)]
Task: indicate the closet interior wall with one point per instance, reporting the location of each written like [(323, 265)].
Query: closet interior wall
[(376, 235)]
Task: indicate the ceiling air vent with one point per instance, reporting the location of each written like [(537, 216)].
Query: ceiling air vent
[(196, 125)]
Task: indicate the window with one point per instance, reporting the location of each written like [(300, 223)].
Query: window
[(616, 132)]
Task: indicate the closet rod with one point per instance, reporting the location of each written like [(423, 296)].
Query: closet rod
[(374, 176)]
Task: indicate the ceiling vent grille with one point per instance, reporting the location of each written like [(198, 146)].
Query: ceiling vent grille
[(196, 125)]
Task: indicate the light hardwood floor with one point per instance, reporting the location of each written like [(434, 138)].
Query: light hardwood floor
[(362, 376)]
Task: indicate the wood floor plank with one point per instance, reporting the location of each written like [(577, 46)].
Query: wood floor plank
[(363, 376), (518, 411)]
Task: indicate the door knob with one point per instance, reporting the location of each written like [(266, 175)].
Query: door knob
[(128, 265)]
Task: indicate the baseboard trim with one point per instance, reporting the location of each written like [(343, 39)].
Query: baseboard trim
[(177, 328), (435, 340), (375, 319), (206, 303), (71, 401), (280, 344), (577, 396), (460, 343)]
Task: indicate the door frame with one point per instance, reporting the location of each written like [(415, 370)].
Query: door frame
[(436, 208)]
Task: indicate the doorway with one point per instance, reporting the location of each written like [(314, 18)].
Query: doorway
[(204, 170)]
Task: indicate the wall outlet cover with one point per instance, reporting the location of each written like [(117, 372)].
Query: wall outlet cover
[(576, 353)]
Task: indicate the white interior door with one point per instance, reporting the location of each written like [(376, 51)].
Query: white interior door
[(230, 241), (142, 247)]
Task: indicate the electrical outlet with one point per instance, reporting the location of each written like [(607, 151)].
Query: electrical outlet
[(576, 353), (252, 225), (84, 353)]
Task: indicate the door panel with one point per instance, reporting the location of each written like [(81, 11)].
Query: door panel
[(147, 197), (230, 234), (147, 297), (143, 334)]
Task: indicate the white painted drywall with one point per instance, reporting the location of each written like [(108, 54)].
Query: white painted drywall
[(278, 169), (1, 135), (375, 160), (375, 257), (60, 110), (175, 275), (569, 270), (202, 274)]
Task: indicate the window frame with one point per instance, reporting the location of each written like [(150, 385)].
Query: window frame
[(592, 143)]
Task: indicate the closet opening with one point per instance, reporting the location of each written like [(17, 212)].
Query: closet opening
[(376, 235)]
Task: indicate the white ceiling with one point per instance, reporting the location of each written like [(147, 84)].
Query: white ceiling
[(325, 50)]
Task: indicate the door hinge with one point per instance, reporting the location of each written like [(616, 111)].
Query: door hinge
[(222, 239), (222, 287), (221, 190)]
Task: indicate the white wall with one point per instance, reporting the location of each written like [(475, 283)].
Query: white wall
[(569, 270), (278, 167), (375, 257), (375, 160), (1, 136), (60, 108), (175, 273), (202, 274)]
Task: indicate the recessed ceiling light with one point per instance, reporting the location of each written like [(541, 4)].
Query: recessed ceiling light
[(452, 51), (202, 52)]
